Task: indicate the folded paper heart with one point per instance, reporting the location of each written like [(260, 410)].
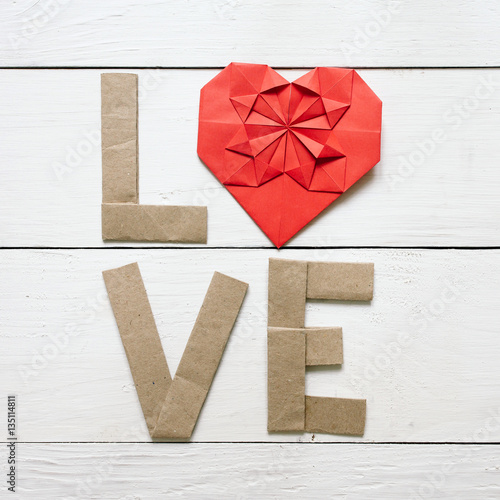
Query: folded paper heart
[(284, 150)]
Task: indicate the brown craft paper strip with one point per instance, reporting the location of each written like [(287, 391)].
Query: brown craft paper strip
[(161, 223), (122, 217), (335, 415), (119, 138), (324, 346), (286, 379), (201, 358), (340, 281), (140, 338), (287, 293)]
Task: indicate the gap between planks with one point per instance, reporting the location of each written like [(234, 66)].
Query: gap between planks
[(281, 68), (359, 443), (123, 247)]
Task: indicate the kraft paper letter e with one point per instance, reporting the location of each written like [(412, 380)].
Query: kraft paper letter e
[(291, 346)]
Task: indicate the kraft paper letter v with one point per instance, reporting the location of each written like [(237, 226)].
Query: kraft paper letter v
[(171, 407), (123, 218)]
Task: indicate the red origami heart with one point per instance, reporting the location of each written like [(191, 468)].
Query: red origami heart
[(284, 150)]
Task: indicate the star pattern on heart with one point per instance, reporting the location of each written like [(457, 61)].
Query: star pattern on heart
[(287, 130), (287, 150)]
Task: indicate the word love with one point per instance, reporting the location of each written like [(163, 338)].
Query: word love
[(171, 407)]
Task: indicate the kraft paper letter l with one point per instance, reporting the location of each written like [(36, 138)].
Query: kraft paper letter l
[(122, 217)]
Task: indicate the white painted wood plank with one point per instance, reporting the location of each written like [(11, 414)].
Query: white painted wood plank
[(51, 166), (173, 470), (185, 33), (424, 353)]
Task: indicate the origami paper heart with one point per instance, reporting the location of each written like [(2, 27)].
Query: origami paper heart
[(284, 150)]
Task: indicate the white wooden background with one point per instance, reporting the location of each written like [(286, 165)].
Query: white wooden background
[(424, 353)]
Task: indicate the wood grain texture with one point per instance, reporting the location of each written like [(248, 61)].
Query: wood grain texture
[(447, 197), (424, 352), (185, 33), (357, 472)]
